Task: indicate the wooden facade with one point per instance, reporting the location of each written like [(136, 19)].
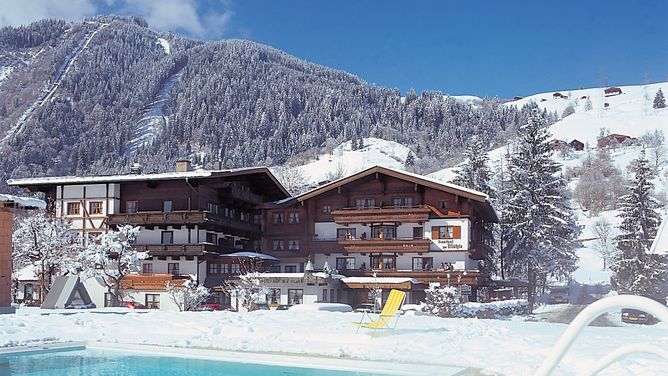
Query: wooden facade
[(382, 216)]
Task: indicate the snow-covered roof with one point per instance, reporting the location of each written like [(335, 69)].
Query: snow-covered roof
[(281, 275), (660, 244), (27, 202), (480, 196), (27, 273), (129, 177)]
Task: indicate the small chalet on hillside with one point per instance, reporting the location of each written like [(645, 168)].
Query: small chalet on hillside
[(191, 221), (384, 228)]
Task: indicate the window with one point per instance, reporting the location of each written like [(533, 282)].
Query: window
[(257, 219), (235, 269), (153, 301), (28, 290), (446, 232), (278, 245), (173, 268), (293, 217), (294, 245), (423, 263), (418, 232), (383, 262), (167, 237), (224, 268), (443, 205), (214, 269), (402, 202), (107, 299), (295, 296), (245, 217), (383, 232), (147, 268), (345, 263), (212, 207), (345, 233), (290, 268), (363, 203), (95, 207), (273, 296), (72, 208), (324, 295), (167, 206), (131, 207), (278, 218), (211, 238), (331, 295), (326, 209)]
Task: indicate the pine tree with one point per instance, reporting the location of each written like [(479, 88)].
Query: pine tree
[(659, 100), (475, 173), (635, 269), (541, 233), (410, 161)]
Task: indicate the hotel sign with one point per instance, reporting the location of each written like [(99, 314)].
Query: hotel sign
[(450, 244)]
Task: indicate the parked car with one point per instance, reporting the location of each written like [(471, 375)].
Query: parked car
[(80, 306), (559, 294), (132, 305), (366, 307), (282, 307), (635, 316), (259, 307), (208, 307)]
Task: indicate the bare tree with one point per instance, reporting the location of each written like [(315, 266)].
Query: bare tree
[(188, 295), (292, 178), (605, 241)]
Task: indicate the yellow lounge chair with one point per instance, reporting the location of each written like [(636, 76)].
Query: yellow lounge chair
[(388, 315)]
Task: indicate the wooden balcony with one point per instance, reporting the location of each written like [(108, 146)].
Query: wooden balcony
[(151, 281), (453, 277), (480, 250), (385, 245), (182, 218), (413, 214), (178, 249)]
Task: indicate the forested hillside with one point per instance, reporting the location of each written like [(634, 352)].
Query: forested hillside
[(72, 96)]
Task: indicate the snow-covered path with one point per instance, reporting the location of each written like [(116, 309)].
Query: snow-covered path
[(512, 347)]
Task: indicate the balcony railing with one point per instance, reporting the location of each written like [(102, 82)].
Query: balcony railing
[(241, 195), (382, 214), (179, 218), (375, 245), (452, 277), (177, 249)]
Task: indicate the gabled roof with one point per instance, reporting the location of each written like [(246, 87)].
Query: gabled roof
[(419, 179), (479, 198), (197, 174)]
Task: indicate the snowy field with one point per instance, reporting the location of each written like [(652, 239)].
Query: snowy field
[(508, 347)]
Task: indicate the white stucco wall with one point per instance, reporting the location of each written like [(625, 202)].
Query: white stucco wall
[(448, 244)]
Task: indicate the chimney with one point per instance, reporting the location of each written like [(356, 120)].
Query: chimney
[(135, 169), (182, 165)]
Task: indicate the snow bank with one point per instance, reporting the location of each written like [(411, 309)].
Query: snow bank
[(326, 307), (509, 347)]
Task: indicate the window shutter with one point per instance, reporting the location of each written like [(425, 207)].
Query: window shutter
[(456, 232), (434, 232)]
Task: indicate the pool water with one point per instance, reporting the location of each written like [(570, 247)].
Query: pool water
[(112, 363)]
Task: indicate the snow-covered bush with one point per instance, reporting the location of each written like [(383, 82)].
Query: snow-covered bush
[(494, 309), (247, 289), (442, 301), (187, 295)]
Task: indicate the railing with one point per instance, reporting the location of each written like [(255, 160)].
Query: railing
[(242, 195), (181, 218), (177, 249), (418, 213), (393, 245), (451, 277), (588, 315)]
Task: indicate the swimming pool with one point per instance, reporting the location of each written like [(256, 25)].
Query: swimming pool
[(110, 359)]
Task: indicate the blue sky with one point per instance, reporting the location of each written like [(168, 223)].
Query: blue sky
[(485, 48)]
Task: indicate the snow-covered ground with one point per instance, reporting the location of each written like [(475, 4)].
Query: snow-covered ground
[(510, 347), (5, 72), (164, 43), (347, 161), (629, 113)]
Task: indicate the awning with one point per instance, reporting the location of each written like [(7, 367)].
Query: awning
[(380, 282)]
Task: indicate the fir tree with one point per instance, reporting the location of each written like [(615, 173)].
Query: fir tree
[(541, 233), (475, 173), (410, 161), (659, 100), (635, 269)]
